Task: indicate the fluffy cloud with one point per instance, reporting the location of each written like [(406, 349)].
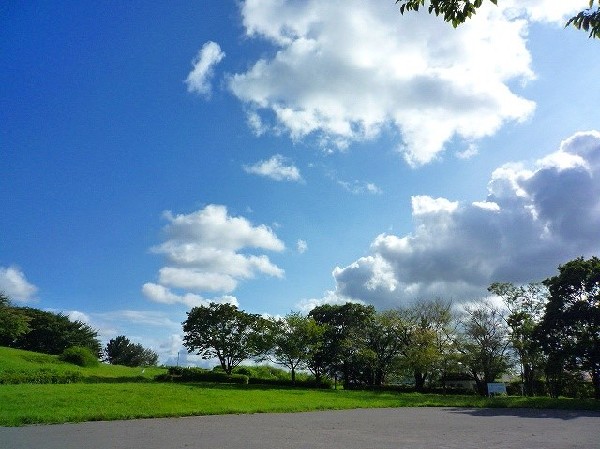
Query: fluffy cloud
[(343, 71), (198, 80), (275, 168), (204, 250), (532, 220), (14, 284)]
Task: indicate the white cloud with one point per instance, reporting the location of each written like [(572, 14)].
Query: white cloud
[(276, 169), (532, 220), (302, 246), (14, 284), (360, 187), (343, 71), (161, 294), (333, 298), (545, 10), (198, 80), (205, 253)]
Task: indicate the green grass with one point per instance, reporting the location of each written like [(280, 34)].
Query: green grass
[(120, 395), (30, 362), (35, 404)]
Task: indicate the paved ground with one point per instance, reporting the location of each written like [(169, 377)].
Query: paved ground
[(412, 428)]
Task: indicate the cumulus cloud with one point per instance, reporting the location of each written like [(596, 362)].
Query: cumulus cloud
[(275, 168), (343, 71), (532, 220), (14, 284), (331, 297), (198, 80), (205, 253)]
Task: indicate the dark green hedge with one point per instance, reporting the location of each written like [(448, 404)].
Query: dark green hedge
[(179, 374)]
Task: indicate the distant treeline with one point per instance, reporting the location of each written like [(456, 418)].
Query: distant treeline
[(545, 335)]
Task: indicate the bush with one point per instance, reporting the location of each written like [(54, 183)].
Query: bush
[(302, 383), (80, 356), (179, 374)]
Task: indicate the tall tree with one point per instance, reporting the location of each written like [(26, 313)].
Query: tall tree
[(387, 337), (570, 328), (484, 344), (344, 343), (295, 339), (224, 332), (525, 304), (121, 351), (431, 338), (459, 11)]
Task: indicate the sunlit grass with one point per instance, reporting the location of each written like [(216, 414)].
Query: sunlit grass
[(33, 404), (120, 395), (26, 361)]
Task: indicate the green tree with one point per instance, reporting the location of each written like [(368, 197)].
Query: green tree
[(344, 352), (459, 11), (431, 338), (224, 332), (121, 351), (13, 323), (52, 333), (484, 344), (525, 304), (295, 339), (387, 337), (570, 328)]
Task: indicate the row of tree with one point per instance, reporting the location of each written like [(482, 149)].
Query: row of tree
[(546, 331), (52, 333)]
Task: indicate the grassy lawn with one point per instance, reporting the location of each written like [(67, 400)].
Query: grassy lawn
[(33, 404), (110, 392)]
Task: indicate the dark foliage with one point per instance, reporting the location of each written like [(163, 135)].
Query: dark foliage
[(121, 351), (52, 333)]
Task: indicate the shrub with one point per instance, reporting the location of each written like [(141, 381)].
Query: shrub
[(80, 356), (302, 383), (179, 374)]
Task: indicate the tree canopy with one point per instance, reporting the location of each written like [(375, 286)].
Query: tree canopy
[(570, 329), (13, 322), (52, 333), (121, 351), (459, 11), (224, 332)]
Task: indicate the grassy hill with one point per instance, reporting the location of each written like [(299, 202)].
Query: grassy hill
[(34, 367)]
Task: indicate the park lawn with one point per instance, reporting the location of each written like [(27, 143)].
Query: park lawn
[(46, 404)]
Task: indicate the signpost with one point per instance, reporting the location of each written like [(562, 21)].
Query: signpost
[(496, 389)]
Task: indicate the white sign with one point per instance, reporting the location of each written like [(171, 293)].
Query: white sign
[(496, 388)]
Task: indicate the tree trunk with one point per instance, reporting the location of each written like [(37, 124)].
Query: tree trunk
[(293, 376), (529, 380), (596, 382), (420, 380)]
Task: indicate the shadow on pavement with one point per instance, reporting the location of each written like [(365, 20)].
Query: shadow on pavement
[(527, 413)]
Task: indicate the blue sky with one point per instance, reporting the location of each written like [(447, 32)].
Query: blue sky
[(283, 154)]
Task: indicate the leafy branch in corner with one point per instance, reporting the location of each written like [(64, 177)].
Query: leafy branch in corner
[(459, 11)]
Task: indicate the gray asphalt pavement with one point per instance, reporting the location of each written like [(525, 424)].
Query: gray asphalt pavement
[(413, 428)]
